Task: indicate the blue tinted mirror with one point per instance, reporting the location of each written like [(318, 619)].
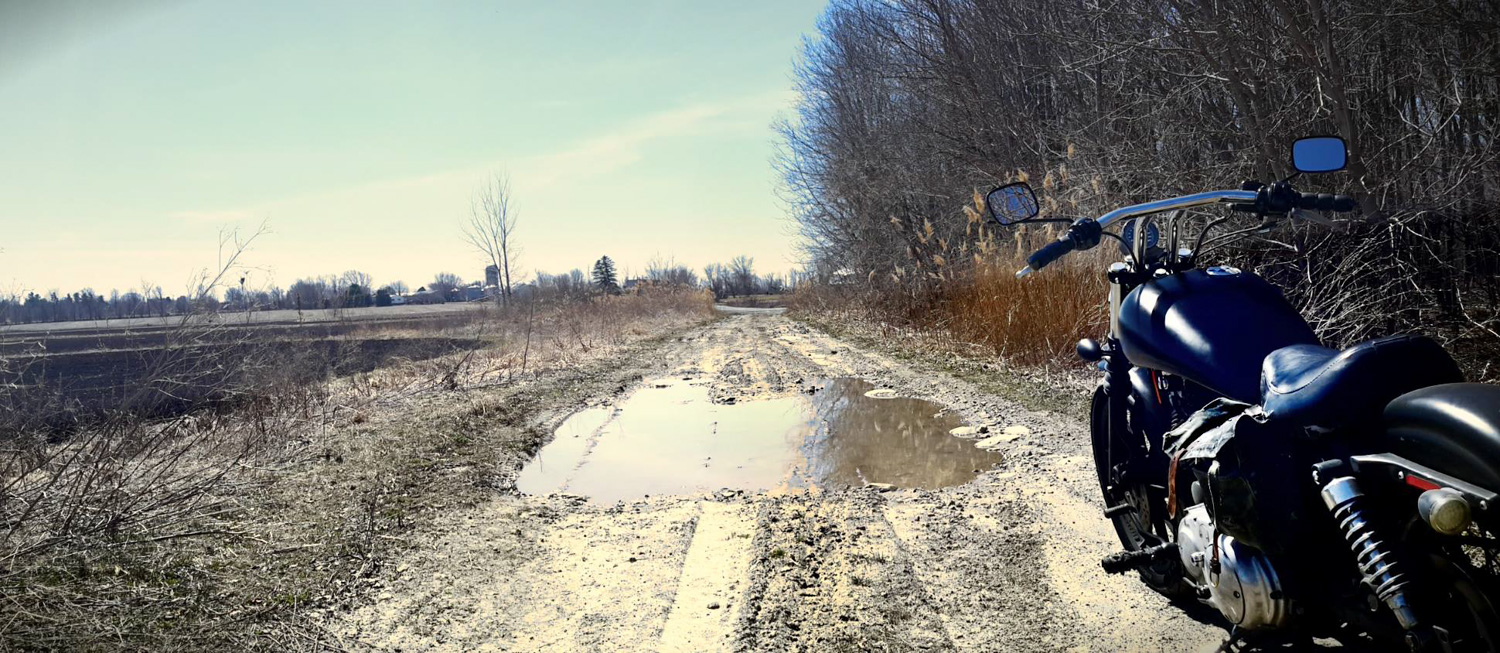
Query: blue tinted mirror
[(1319, 154), (1012, 203)]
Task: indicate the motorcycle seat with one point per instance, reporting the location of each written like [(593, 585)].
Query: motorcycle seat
[(1329, 389)]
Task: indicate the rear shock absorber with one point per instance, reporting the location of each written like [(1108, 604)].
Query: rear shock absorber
[(1377, 561)]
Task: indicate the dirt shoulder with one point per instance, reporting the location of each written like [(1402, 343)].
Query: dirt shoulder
[(1006, 562)]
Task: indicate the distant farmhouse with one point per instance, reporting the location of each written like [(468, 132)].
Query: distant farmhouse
[(425, 297), (473, 292)]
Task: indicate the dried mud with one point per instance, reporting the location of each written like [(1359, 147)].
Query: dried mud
[(1007, 562)]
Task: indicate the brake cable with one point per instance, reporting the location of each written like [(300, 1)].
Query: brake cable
[(1224, 239)]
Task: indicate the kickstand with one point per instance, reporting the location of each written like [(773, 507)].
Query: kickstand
[(1231, 644)]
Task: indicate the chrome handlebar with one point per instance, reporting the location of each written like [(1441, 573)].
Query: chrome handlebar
[(1158, 206), (1184, 202)]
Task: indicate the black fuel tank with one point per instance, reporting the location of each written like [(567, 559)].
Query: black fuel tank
[(1211, 326)]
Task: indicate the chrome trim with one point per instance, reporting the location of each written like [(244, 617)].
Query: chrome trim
[(1184, 202), (1394, 465)]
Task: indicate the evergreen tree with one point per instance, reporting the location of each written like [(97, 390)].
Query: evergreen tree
[(604, 275)]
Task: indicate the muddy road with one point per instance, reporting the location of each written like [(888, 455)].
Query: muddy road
[(1004, 558)]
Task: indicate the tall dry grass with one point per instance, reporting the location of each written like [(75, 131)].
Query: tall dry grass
[(1032, 321), (965, 289)]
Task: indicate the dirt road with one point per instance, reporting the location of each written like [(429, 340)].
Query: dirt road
[(1007, 562)]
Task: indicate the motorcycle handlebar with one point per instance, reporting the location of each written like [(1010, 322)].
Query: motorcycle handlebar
[(1326, 202), (1083, 234), (1274, 198), (1046, 255)]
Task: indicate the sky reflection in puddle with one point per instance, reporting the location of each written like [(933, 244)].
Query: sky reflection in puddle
[(674, 440)]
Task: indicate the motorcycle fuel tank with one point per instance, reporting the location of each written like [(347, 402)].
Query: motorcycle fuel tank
[(1213, 327)]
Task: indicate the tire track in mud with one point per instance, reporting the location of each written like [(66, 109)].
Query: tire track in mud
[(833, 576), (713, 579), (1008, 562)]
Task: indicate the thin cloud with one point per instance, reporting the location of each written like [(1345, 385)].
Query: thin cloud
[(211, 217), (596, 156), (613, 150)]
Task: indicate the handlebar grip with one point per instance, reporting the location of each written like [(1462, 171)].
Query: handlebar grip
[(1326, 202), (1053, 251)]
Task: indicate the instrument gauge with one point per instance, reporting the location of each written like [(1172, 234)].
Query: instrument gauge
[(1127, 234)]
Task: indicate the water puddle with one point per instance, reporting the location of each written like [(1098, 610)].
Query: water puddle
[(668, 437)]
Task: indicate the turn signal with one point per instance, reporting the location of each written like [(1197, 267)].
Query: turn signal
[(1090, 350), (1445, 510)]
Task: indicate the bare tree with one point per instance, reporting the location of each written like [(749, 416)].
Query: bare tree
[(908, 107), (491, 230), (444, 283), (742, 275), (717, 278), (355, 277), (667, 272)]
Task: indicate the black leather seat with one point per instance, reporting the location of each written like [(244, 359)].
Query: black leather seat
[(1330, 389)]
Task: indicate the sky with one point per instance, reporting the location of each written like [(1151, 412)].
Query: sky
[(132, 134)]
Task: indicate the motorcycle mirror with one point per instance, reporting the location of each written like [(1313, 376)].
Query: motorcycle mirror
[(1012, 203), (1319, 154)]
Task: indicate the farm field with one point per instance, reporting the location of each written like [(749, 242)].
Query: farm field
[(97, 364), (282, 316)]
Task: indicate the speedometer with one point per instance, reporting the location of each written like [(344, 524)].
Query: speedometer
[(1127, 235)]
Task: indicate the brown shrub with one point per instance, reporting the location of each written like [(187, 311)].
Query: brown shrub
[(1029, 321), (977, 299)]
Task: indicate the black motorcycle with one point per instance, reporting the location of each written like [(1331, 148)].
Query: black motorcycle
[(1300, 491)]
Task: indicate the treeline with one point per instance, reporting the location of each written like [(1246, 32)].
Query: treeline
[(89, 305), (910, 106), (356, 289), (348, 290), (738, 277)]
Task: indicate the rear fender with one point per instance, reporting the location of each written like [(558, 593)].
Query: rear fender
[(1393, 470), (1453, 428)]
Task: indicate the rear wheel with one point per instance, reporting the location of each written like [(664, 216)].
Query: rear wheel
[(1467, 590), (1136, 501)]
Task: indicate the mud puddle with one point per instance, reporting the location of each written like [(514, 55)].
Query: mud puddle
[(668, 438)]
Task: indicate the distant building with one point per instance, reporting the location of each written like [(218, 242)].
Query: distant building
[(492, 275), (472, 292), (426, 297)]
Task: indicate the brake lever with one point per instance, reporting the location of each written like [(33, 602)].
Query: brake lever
[(1310, 216)]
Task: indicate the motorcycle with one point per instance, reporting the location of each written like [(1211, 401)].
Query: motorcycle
[(1298, 491)]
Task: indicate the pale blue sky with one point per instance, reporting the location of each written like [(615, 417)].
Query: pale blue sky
[(129, 136)]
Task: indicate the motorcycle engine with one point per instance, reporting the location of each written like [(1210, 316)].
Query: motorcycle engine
[(1236, 579)]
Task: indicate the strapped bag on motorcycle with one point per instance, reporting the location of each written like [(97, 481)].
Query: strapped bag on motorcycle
[(1234, 460)]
